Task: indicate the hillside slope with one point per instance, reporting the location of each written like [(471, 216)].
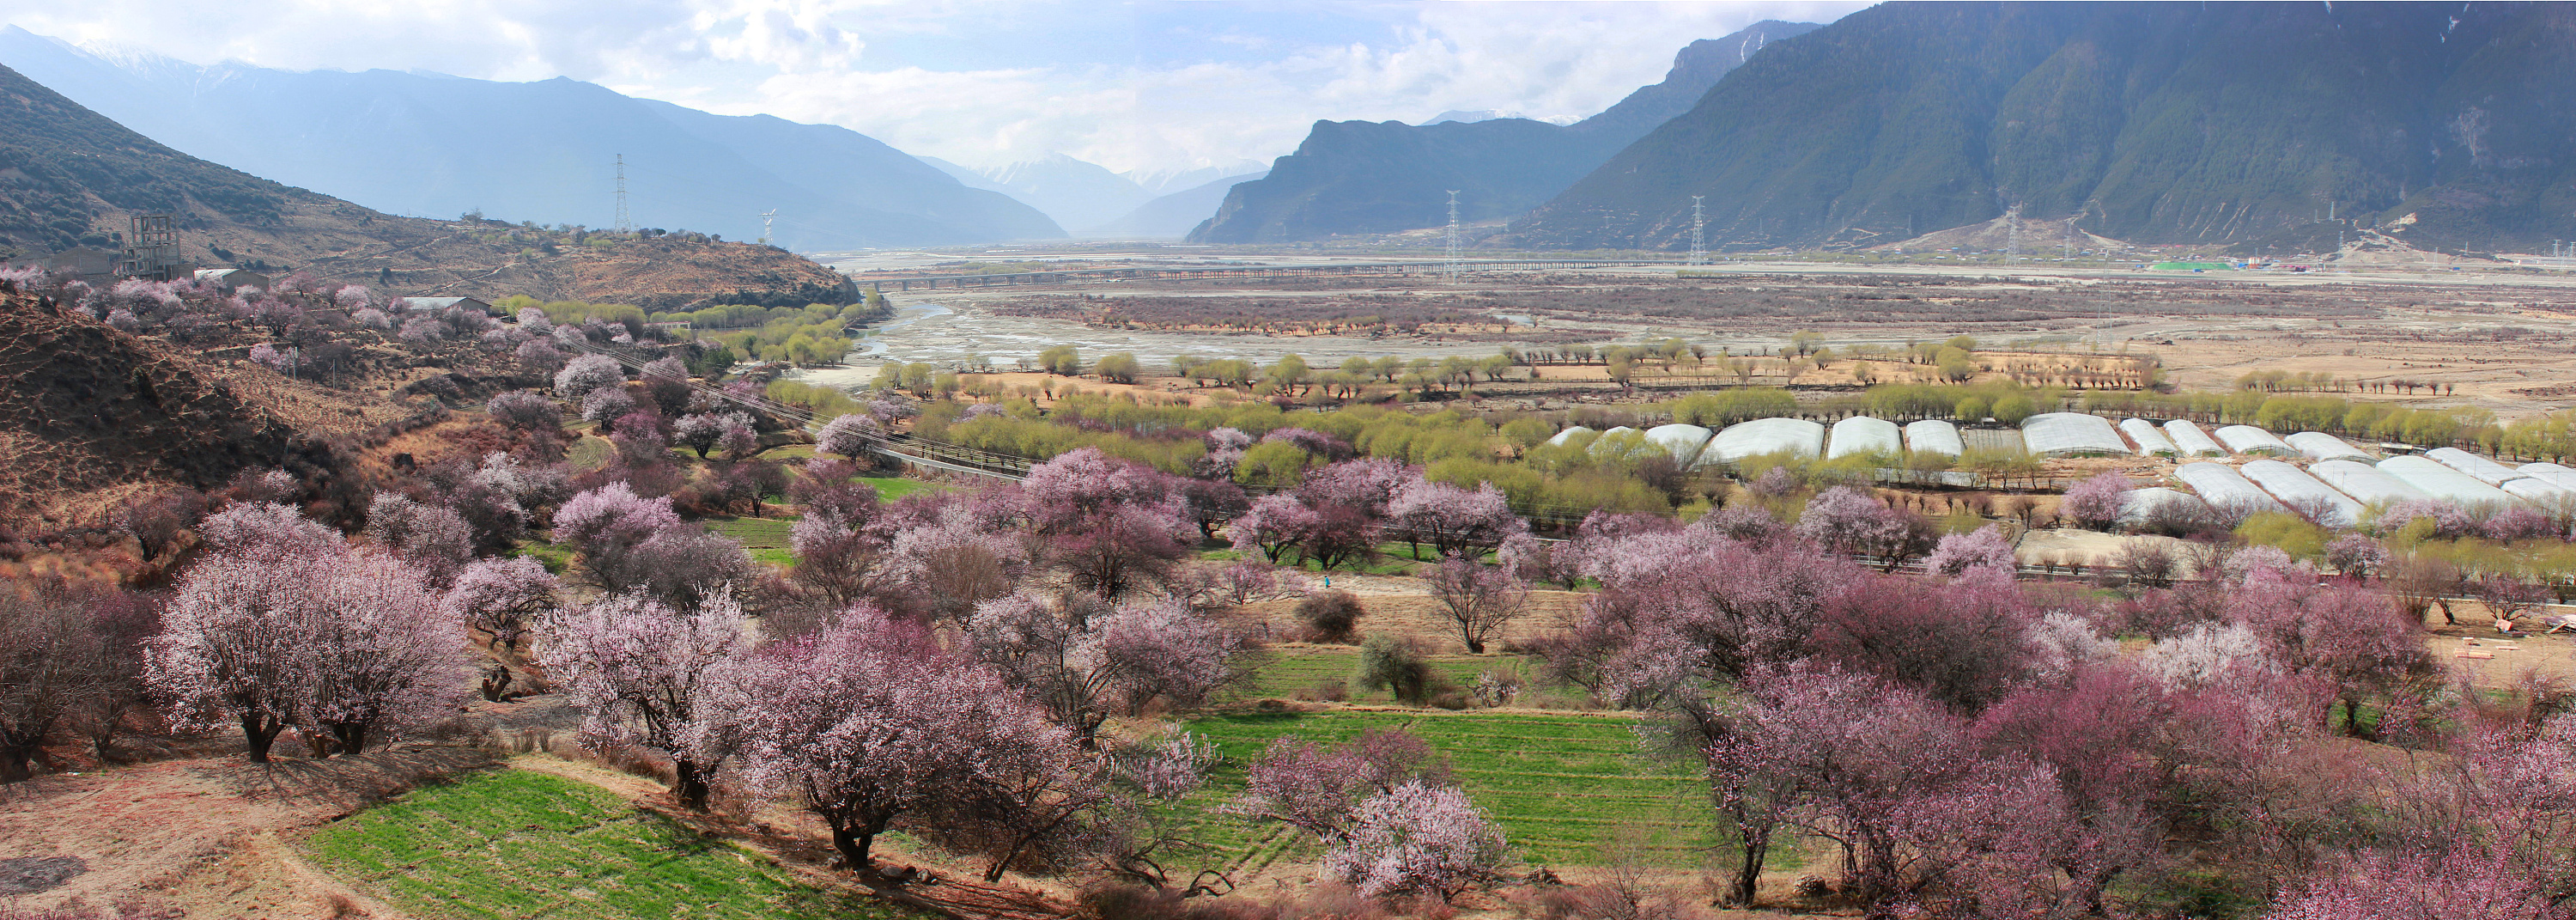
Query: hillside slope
[(1371, 177), (434, 145), (1174, 214), (69, 177), (84, 407), (2160, 123)]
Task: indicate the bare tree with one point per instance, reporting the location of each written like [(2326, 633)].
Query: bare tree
[(1481, 599)]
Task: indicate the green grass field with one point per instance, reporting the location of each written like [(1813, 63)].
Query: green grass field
[(519, 843), (1561, 785)]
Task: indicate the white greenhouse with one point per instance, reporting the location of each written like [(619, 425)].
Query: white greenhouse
[(1765, 436), (2247, 439), (1861, 434), (2151, 442), (2295, 488), (2366, 484), (2551, 473), (1683, 441), (2191, 440), (2071, 434), (1933, 436), (2225, 488), (2444, 483), (2540, 492), (1569, 434), (2319, 445), (2141, 504), (2480, 468)]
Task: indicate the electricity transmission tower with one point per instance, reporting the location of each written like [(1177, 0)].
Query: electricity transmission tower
[(1699, 240), (2012, 235), (1451, 267), (768, 222), (624, 224)]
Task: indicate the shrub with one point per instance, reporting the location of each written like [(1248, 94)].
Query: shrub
[(1395, 666), (1330, 616)]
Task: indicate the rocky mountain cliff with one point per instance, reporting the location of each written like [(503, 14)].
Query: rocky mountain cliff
[(2240, 123), (1371, 177)]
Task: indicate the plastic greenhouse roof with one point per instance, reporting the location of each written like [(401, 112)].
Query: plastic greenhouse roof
[(2551, 473), (2366, 484), (1764, 436), (2319, 445), (2225, 488), (1684, 441), (1861, 434), (2059, 434), (2480, 468), (2443, 482), (2295, 488), (2151, 441), (1935, 436), (2538, 491), (2140, 503), (2193, 441), (2247, 439), (1569, 434)]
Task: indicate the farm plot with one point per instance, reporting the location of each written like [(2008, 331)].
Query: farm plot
[(1561, 785), (1296, 670), (518, 843)]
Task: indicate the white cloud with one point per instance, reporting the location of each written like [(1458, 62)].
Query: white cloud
[(978, 83)]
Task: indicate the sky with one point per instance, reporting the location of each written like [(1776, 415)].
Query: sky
[(1142, 86)]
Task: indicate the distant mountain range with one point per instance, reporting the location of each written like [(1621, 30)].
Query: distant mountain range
[(434, 145), (1381, 177), (1175, 214), (2446, 124)]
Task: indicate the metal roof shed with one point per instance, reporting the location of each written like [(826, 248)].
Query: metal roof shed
[(2303, 492), (2445, 483), (2247, 439), (2151, 442), (1684, 441), (2480, 468), (2366, 484), (1764, 436), (1861, 434), (1933, 436), (2319, 445), (2193, 441), (2069, 434), (2225, 488)]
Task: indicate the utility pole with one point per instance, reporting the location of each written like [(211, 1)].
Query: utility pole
[(624, 224), (768, 221), (1451, 268), (1699, 241)]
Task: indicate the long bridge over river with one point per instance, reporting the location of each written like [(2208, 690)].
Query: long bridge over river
[(1262, 272)]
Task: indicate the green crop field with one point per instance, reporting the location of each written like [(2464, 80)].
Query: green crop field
[(755, 533), (1561, 785), (519, 843)]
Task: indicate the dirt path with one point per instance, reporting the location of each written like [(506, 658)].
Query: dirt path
[(202, 838)]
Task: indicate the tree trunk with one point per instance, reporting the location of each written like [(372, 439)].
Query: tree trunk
[(1755, 846), (15, 760), (689, 784), (352, 736), (259, 731)]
